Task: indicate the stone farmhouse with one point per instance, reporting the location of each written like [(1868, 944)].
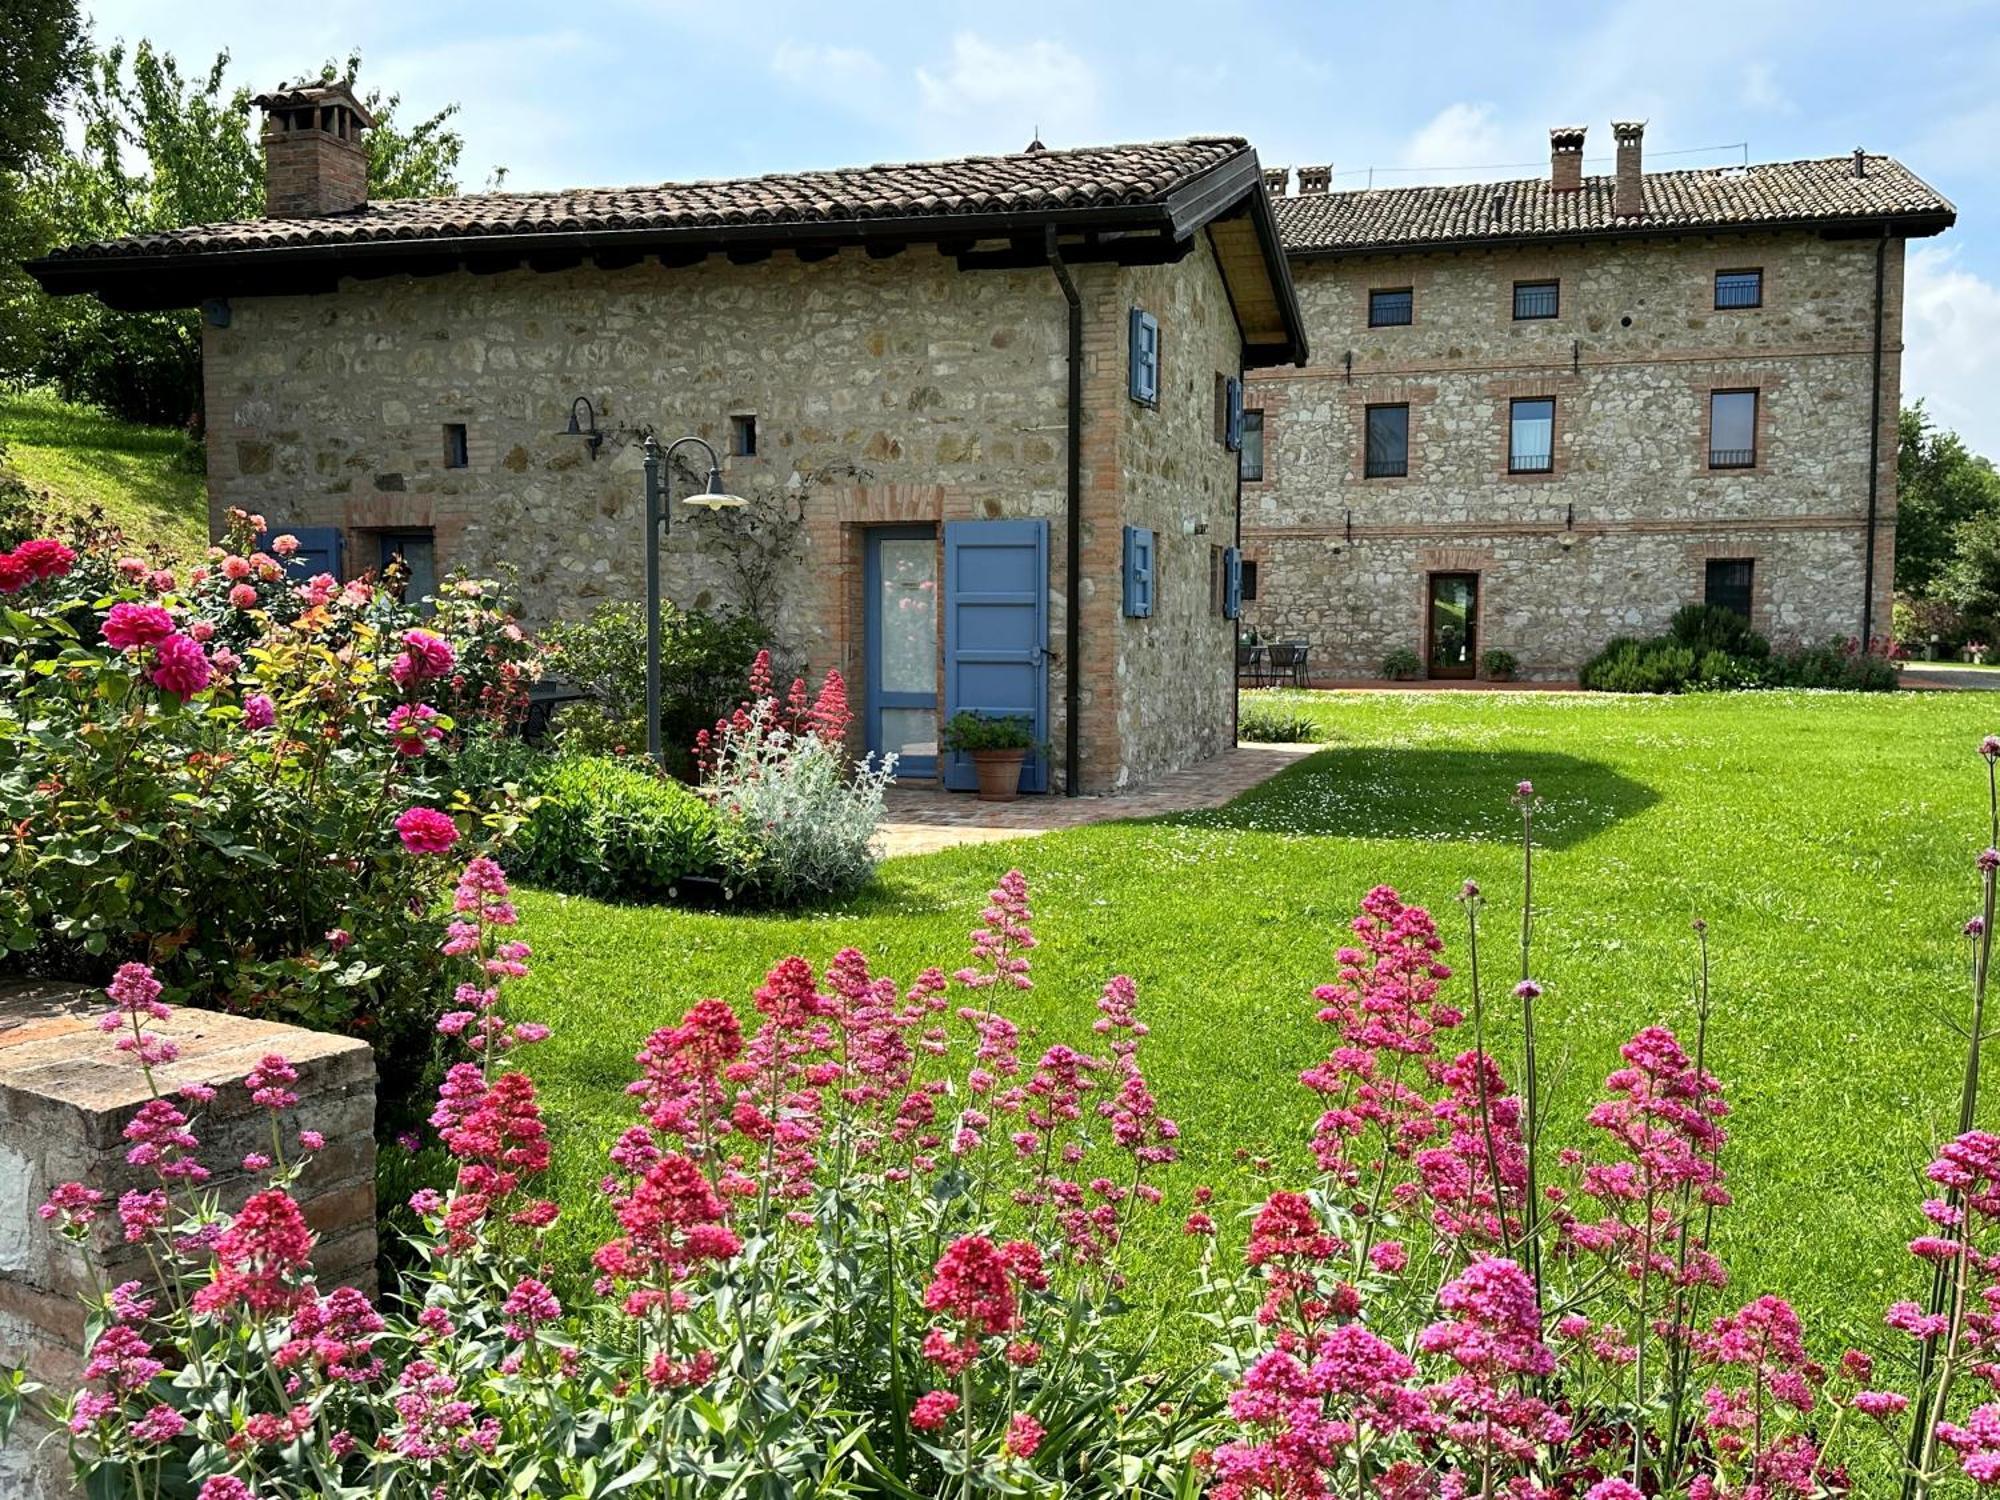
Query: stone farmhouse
[(981, 407), (1040, 433), (1543, 413)]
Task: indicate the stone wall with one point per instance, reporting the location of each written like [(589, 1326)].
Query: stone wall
[(65, 1098), (1630, 360), (895, 390)]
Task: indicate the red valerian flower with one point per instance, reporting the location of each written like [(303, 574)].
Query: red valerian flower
[(933, 1410), (257, 1255), (1024, 1435), (971, 1285)]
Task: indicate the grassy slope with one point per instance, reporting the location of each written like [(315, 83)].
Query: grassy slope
[(81, 458), (1828, 840)]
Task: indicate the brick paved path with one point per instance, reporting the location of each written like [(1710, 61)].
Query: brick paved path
[(922, 820)]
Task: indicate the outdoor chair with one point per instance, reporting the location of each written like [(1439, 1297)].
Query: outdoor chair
[(1287, 662), (1249, 664)]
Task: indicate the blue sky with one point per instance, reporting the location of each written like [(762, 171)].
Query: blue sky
[(567, 94)]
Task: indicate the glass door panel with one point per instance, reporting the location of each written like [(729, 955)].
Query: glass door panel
[(902, 609), (1454, 624)]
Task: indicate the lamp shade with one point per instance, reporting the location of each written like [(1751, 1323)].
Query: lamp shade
[(715, 497)]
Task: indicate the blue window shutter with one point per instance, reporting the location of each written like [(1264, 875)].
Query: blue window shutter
[(1234, 437), (1145, 357), (319, 550), (1232, 583), (1138, 572)]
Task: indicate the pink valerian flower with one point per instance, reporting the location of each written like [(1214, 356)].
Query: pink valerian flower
[(162, 1142), (1763, 1341), (932, 1410), (497, 1133), (529, 1306), (425, 830), (130, 626), (1495, 1341), (413, 728), (180, 666), (142, 1213), (270, 1083), (432, 1421), (680, 1085), (1479, 1121), (424, 658), (225, 1487), (970, 1285), (673, 1222), (1000, 945), (334, 1335), (259, 712), (73, 1203)]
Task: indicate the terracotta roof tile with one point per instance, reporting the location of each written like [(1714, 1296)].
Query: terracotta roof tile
[(1788, 193), (1025, 182)]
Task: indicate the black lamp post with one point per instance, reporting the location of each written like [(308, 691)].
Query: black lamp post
[(659, 496)]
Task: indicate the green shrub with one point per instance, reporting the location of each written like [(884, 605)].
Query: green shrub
[(703, 660), (614, 828), (967, 732), (1694, 658), (1710, 627), (1275, 724), (1498, 665), (1661, 665), (1402, 664), (1837, 664)]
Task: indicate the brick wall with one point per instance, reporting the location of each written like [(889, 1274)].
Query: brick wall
[(1630, 361), (65, 1098)]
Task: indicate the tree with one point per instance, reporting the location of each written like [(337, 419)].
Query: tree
[(1941, 486), (159, 151), (43, 59)]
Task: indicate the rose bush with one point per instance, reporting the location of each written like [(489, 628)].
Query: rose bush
[(207, 785)]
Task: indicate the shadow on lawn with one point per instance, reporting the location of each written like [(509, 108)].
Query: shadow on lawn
[(1456, 796)]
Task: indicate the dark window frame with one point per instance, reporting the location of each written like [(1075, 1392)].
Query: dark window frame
[(1518, 463), (1747, 588), (743, 434), (1735, 458), (1733, 305), (1554, 289), (1409, 306), (1253, 421), (457, 446), (1371, 467), (1248, 594)]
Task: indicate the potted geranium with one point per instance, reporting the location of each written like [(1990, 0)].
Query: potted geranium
[(997, 744)]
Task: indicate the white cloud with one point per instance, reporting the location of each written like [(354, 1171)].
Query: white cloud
[(1951, 344), (1762, 91), (827, 69), (996, 97), (1457, 137)]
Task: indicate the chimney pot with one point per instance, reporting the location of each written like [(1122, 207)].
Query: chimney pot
[(1628, 194), (1860, 162), (1566, 158), (315, 156), (1275, 180), (1315, 179)]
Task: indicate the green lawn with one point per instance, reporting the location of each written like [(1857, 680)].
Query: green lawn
[(1828, 840), (148, 479)]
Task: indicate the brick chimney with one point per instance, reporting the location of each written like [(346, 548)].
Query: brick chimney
[(315, 160), (1628, 195), (1275, 179), (1566, 158), (1315, 179)]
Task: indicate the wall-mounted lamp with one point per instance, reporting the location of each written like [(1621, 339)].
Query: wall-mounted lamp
[(1568, 538), (1346, 538), (659, 518), (584, 427)]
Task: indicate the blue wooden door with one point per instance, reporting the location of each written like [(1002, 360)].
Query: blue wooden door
[(902, 628), (996, 633)]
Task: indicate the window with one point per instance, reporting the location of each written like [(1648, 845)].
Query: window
[(1249, 581), (1531, 436), (415, 555), (1732, 429), (1739, 289), (1145, 357), (1727, 585), (454, 445), (1388, 454), (1535, 299), (1252, 461), (1138, 572), (743, 436), (1391, 309)]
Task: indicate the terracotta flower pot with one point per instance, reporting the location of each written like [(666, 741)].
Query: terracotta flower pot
[(999, 773)]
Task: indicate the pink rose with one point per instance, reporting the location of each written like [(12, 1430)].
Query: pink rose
[(235, 568), (424, 658), (45, 557), (243, 596), (425, 830), (285, 545), (129, 625), (259, 712), (180, 667), (14, 574)]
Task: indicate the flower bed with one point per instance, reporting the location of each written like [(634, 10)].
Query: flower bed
[(202, 771), (872, 1248)]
